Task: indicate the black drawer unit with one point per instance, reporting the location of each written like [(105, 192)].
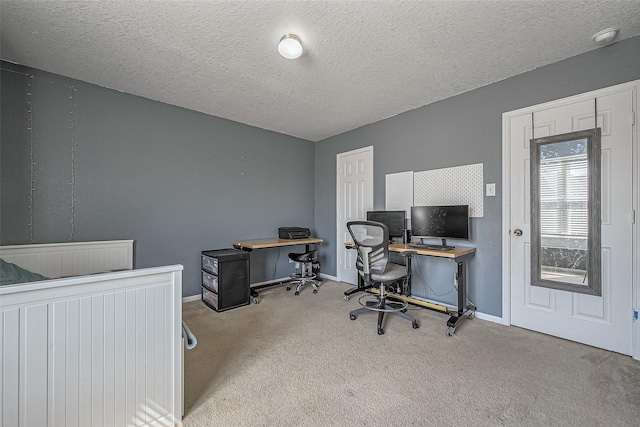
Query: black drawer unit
[(225, 278)]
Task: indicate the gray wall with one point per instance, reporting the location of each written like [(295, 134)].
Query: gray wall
[(462, 130), (174, 180), (179, 182)]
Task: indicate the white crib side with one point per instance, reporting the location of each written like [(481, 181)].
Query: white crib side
[(103, 349)]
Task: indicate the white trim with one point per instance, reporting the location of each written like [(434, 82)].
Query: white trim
[(191, 298), (635, 141), (329, 277), (506, 220), (369, 150), (489, 317), (268, 282), (480, 315), (632, 86)]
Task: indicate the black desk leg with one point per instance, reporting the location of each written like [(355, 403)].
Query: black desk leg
[(252, 291), (407, 289), (307, 248), (254, 296), (360, 287), (462, 300)]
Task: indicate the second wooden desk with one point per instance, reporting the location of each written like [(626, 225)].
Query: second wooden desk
[(459, 255)]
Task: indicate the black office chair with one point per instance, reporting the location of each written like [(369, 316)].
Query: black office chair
[(372, 243), (306, 276)]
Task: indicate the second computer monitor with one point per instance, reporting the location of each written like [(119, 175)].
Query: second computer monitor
[(394, 220)]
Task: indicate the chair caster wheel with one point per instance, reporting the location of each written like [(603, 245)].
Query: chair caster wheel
[(450, 331), (352, 316), (380, 331), (472, 315), (346, 297), (256, 300), (297, 293), (415, 325), (315, 291), (288, 288)]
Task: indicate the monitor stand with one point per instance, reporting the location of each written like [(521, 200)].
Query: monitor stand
[(443, 247)]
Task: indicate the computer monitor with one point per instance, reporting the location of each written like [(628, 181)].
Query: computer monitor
[(394, 220), (443, 222)]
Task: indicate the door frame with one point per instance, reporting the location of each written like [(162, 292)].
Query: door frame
[(634, 87), (339, 243)]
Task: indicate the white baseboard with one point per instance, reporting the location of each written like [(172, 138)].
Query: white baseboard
[(478, 314), (191, 298), (326, 276), (267, 282), (489, 317)]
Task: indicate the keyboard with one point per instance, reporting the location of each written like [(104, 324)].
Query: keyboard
[(431, 247)]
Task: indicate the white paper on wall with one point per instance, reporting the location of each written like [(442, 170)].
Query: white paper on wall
[(398, 193), (461, 185)]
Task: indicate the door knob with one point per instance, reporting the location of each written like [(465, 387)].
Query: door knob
[(517, 232)]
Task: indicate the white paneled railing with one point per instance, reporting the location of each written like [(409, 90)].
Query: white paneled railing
[(100, 350)]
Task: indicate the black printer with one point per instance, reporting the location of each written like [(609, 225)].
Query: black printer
[(293, 233)]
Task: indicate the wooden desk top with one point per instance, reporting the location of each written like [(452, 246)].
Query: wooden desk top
[(274, 242), (457, 252)]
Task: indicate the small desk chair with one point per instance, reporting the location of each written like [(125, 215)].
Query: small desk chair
[(372, 243), (306, 261)]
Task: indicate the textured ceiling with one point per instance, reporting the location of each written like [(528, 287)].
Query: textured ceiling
[(363, 61)]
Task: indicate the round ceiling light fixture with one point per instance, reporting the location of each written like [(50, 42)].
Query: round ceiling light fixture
[(290, 46), (605, 36)]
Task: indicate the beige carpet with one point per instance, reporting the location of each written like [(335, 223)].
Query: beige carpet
[(299, 361)]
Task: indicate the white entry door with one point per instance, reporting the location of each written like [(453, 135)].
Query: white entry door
[(354, 195), (601, 321)]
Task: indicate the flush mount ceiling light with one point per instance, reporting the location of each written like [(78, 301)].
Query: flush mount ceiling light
[(290, 46), (605, 36)]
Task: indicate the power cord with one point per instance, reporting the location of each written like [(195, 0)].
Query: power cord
[(424, 283), (426, 286)]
